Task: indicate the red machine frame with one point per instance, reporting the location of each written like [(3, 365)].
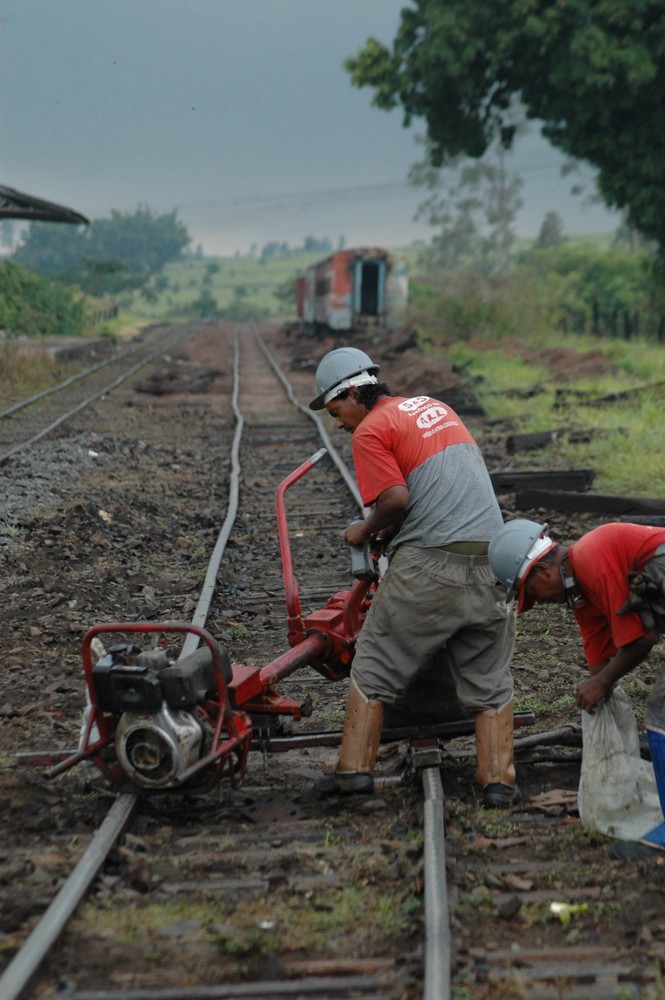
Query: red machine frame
[(324, 640)]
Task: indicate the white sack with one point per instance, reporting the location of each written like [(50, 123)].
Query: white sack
[(617, 793)]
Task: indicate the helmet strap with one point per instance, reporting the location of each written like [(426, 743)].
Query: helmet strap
[(571, 588)]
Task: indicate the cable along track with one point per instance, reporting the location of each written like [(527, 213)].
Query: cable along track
[(268, 861)]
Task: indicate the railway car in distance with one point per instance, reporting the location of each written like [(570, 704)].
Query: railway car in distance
[(365, 288)]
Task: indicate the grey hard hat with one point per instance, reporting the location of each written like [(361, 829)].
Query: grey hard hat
[(511, 547), (337, 365)]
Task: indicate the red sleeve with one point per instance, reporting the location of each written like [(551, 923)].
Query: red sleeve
[(604, 633), (376, 468)]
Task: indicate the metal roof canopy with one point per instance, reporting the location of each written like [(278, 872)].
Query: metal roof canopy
[(17, 205)]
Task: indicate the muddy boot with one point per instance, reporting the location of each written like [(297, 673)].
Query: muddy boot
[(360, 744), (495, 770)]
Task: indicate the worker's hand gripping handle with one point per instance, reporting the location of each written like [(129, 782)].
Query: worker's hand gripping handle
[(363, 564)]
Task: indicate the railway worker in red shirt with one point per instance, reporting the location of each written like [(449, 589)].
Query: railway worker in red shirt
[(433, 505), (594, 578), (613, 580)]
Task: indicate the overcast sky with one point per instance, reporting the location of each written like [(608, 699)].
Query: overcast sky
[(237, 113)]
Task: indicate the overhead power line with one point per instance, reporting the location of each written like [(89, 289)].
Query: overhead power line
[(292, 198)]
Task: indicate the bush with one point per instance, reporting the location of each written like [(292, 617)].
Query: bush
[(34, 306), (604, 292), (571, 288)]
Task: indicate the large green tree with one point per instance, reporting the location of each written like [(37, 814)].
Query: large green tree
[(592, 71), (142, 241)]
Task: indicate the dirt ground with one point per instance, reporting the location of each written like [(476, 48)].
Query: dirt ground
[(548, 665), (64, 563)]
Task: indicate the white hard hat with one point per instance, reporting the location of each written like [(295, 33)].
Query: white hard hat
[(514, 551), (337, 366)]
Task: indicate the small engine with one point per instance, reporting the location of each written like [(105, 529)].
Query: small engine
[(156, 750), (162, 725)]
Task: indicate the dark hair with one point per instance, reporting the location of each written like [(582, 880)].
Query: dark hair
[(369, 395)]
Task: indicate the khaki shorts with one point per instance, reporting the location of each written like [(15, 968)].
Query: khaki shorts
[(429, 599)]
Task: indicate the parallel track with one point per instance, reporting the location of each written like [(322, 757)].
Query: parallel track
[(27, 421)]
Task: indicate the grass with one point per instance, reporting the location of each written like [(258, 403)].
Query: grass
[(289, 921), (26, 372), (229, 281), (625, 448)]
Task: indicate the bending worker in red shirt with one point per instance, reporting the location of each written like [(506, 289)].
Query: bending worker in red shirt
[(433, 504), (594, 578), (613, 579)]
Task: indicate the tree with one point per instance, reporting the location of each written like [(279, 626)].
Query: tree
[(101, 276), (142, 241), (145, 241), (475, 212), (592, 71), (551, 232), (285, 293), (311, 244), (50, 248), (205, 306), (274, 249)]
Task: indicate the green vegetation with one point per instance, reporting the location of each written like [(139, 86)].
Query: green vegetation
[(237, 288), (475, 213), (559, 295), (24, 372), (624, 447), (137, 243), (593, 73), (574, 287), (35, 306), (305, 921), (572, 323)]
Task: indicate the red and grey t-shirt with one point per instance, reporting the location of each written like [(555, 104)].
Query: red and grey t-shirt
[(422, 444), (601, 561)]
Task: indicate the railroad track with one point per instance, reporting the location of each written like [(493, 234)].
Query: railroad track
[(270, 429), (294, 895), (26, 421)]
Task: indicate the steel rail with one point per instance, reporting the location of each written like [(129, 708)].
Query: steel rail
[(437, 926), (343, 468), (81, 406), (25, 965), (209, 584), (438, 959), (208, 589), (27, 961), (22, 403)]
